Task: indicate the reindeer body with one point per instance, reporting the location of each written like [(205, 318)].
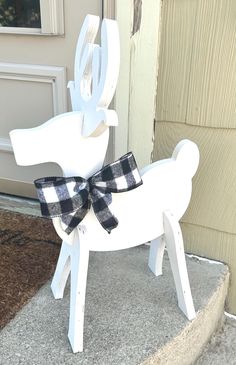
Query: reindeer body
[(167, 185)]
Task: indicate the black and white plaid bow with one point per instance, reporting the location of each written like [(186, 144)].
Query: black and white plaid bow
[(71, 197)]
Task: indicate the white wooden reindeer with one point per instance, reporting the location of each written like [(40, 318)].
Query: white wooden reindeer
[(77, 142)]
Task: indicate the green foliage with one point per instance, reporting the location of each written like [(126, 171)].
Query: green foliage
[(20, 13)]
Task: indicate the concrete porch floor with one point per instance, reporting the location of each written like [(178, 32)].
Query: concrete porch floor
[(131, 317)]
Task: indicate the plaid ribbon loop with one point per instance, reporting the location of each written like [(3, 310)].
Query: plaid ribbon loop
[(71, 197)]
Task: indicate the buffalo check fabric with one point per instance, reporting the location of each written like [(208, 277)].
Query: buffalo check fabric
[(71, 197)]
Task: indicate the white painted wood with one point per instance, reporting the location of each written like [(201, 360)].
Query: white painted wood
[(79, 254), (62, 272), (175, 248), (167, 186)]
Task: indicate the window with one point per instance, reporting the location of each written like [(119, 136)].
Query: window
[(20, 13), (31, 17)]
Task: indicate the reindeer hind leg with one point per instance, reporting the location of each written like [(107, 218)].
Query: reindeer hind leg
[(175, 248), (156, 255)]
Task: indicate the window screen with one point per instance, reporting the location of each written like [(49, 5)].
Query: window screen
[(20, 13)]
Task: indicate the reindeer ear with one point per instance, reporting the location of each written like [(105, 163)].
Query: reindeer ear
[(187, 154)]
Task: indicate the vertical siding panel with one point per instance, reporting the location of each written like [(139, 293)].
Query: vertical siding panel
[(212, 92), (178, 22)]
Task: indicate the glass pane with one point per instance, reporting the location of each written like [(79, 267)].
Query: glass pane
[(20, 13)]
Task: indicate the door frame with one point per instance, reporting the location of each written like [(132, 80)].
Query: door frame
[(139, 27)]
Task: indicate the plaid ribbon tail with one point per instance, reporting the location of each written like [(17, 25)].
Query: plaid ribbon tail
[(109, 224), (100, 202), (119, 176), (70, 221)]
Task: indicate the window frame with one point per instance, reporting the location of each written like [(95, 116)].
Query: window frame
[(52, 20)]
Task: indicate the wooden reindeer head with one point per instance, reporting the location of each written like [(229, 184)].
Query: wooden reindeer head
[(77, 141)]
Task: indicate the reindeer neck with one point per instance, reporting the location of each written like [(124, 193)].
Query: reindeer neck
[(85, 157), (82, 170)]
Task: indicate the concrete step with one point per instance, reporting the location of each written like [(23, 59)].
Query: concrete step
[(131, 316), (20, 205), (221, 350)]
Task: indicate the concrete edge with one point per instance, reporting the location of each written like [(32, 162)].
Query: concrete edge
[(17, 204), (221, 349), (189, 344)]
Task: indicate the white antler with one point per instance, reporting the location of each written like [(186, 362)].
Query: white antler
[(96, 75)]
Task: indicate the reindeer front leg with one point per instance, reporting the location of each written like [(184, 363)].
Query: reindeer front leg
[(64, 262), (74, 257), (79, 269), (62, 271)]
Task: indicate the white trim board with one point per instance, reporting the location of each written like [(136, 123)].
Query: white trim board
[(18, 30), (231, 316), (135, 102), (20, 205), (108, 7), (56, 76), (52, 17), (5, 145)]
